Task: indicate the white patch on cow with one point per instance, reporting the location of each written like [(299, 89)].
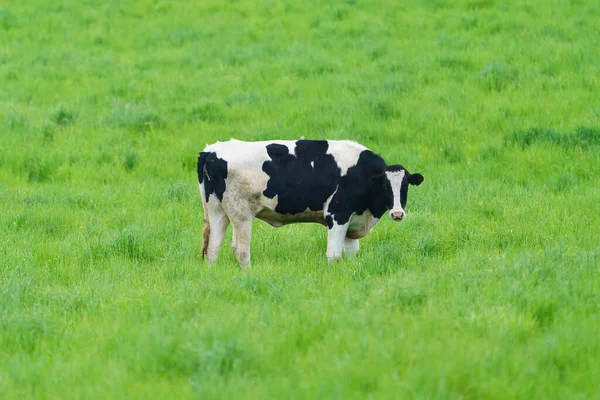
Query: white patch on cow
[(395, 179), (312, 164), (345, 153), (268, 203), (335, 240)]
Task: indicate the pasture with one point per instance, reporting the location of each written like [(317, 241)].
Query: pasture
[(488, 289)]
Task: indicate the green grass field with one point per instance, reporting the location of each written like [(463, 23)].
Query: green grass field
[(489, 289)]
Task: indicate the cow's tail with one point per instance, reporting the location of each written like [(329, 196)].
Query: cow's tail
[(205, 231), (201, 176)]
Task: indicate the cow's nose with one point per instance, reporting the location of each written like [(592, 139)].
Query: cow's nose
[(397, 215)]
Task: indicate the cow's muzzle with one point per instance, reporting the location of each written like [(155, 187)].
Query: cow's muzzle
[(397, 215)]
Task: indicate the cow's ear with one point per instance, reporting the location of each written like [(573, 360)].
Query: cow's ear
[(415, 179)]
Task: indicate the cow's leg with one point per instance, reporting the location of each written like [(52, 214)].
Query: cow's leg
[(241, 214), (233, 242), (242, 235), (335, 240), (218, 226), (351, 246)]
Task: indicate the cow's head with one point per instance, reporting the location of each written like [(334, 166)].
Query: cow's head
[(392, 188)]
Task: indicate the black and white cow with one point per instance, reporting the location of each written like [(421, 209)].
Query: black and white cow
[(339, 184)]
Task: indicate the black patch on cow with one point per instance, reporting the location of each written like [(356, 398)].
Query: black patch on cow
[(404, 191), (364, 186), (201, 162), (301, 180), (329, 221), (382, 198), (212, 170)]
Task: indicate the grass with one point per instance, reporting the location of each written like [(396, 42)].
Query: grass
[(489, 289)]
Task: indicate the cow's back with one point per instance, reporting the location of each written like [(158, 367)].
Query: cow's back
[(241, 154)]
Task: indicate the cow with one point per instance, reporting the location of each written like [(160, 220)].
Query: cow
[(339, 184)]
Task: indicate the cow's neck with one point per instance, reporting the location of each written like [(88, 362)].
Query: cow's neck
[(378, 205)]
